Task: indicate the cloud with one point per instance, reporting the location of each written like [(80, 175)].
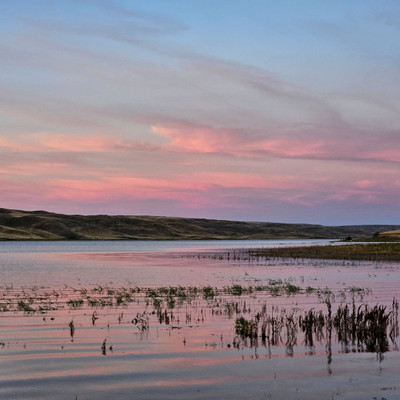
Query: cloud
[(365, 184), (60, 142), (313, 142), (117, 23), (237, 143)]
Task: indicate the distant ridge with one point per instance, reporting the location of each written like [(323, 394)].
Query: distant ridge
[(42, 225)]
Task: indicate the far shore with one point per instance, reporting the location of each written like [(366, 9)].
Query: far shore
[(356, 251)]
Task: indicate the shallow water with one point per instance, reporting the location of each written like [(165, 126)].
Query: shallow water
[(120, 262), (193, 355)]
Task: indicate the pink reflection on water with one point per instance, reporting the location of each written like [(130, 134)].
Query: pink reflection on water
[(200, 348)]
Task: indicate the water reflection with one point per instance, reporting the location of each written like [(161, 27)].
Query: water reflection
[(121, 323), (357, 329)]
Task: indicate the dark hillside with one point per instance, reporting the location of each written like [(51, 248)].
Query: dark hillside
[(42, 225)]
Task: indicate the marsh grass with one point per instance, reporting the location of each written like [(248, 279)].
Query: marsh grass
[(351, 252), (358, 252), (358, 329)]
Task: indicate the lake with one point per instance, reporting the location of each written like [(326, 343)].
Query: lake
[(161, 320)]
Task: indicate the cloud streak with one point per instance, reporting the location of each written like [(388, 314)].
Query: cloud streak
[(326, 143)]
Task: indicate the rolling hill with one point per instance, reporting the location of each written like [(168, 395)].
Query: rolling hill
[(42, 225), (388, 236)]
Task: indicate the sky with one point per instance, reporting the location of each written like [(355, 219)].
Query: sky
[(258, 110)]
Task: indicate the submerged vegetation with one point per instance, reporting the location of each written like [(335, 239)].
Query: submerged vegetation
[(357, 325), (40, 299)]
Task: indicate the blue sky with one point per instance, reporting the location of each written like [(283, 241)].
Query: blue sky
[(257, 110)]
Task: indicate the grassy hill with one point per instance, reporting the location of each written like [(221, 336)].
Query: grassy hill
[(42, 225), (388, 236)]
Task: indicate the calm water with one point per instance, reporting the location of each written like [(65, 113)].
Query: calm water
[(146, 245), (192, 354), (120, 262)]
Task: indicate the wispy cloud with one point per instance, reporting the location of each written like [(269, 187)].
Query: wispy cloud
[(314, 143)]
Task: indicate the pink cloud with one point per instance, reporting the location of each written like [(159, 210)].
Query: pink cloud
[(291, 148), (119, 187), (365, 184), (139, 187), (76, 144), (199, 191), (386, 154), (237, 143), (102, 143), (301, 142), (196, 139), (13, 145), (106, 188), (287, 170), (50, 142)]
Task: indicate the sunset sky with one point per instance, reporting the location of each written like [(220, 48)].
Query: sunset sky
[(243, 109)]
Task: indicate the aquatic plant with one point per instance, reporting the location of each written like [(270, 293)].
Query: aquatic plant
[(363, 327), (292, 289), (71, 330), (246, 328), (75, 303), (104, 347), (209, 292), (23, 306), (236, 290)]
